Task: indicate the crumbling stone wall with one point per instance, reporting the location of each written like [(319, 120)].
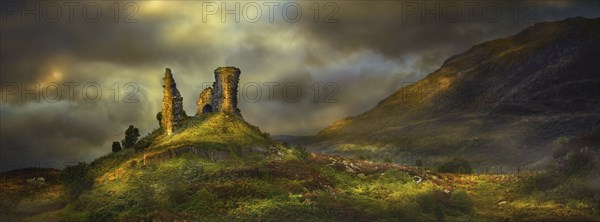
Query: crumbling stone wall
[(205, 101), (222, 97), (223, 94), (172, 104)]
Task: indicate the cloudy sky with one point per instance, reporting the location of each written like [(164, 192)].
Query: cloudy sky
[(75, 74)]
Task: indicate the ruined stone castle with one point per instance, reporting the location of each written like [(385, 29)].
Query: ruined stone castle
[(172, 104), (221, 97)]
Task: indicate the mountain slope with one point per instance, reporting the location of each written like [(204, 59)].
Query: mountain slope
[(503, 101)]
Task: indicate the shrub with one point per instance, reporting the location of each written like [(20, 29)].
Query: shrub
[(159, 117), (116, 146), (456, 165), (143, 144), (265, 135), (131, 137), (76, 179), (387, 160), (300, 152)]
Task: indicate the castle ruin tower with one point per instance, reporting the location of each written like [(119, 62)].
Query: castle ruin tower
[(225, 89), (172, 104)]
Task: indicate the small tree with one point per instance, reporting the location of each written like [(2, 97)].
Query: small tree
[(131, 137), (116, 146)]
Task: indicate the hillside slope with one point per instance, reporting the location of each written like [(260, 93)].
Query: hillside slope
[(218, 136), (318, 188), (216, 167), (503, 101)]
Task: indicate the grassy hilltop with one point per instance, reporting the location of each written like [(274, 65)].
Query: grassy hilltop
[(250, 177)]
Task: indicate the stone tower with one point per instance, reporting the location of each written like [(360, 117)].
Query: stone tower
[(225, 89), (222, 97), (172, 104)]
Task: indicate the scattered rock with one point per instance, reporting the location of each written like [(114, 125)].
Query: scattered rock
[(417, 179), (36, 180), (350, 170)]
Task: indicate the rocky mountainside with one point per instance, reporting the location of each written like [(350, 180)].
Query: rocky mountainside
[(503, 101)]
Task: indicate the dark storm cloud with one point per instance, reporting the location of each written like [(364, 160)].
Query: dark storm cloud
[(436, 29), (44, 134), (369, 53), (34, 49)]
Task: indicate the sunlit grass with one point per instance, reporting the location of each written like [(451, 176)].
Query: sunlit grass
[(283, 185)]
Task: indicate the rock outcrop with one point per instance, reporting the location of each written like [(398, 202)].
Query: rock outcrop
[(172, 104)]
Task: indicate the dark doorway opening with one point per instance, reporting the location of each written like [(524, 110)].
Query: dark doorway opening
[(207, 109)]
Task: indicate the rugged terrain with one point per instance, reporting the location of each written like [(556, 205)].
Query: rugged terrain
[(505, 101), (218, 167)]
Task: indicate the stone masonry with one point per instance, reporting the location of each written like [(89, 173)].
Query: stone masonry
[(172, 104), (222, 97)]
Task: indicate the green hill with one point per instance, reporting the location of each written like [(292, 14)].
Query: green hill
[(248, 177), (217, 136), (319, 188)]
